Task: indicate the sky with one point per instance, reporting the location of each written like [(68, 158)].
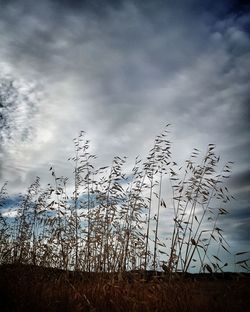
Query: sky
[(121, 70)]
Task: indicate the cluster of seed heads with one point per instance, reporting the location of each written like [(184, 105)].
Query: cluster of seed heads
[(111, 221)]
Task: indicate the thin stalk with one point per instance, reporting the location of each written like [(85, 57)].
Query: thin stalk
[(157, 221)]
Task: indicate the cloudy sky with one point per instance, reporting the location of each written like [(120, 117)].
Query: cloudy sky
[(121, 70)]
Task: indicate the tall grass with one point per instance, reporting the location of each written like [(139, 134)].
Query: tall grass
[(110, 221)]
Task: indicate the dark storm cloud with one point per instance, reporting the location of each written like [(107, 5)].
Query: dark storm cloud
[(159, 47), (236, 223), (138, 47), (241, 180), (242, 229), (220, 8)]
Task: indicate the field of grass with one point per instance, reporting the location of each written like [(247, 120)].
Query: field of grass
[(30, 288), (96, 244)]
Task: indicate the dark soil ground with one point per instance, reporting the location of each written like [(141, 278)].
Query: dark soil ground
[(30, 288)]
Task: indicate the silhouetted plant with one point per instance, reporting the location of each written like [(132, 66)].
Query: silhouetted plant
[(109, 220)]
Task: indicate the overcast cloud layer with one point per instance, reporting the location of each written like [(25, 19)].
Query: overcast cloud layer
[(120, 71)]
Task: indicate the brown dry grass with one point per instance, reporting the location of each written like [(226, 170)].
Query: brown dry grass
[(29, 288)]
